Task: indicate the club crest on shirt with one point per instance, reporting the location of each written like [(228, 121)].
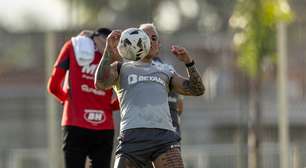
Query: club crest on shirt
[(94, 116)]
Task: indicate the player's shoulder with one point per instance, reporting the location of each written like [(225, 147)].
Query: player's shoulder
[(68, 44), (127, 63), (169, 66), (163, 66)]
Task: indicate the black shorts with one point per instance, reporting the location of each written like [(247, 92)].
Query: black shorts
[(143, 145), (79, 143)]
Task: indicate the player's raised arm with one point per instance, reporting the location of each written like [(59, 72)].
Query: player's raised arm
[(106, 74), (192, 86)]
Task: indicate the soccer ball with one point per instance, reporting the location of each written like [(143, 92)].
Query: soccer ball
[(134, 44)]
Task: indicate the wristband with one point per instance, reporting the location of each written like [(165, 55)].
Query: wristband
[(190, 64)]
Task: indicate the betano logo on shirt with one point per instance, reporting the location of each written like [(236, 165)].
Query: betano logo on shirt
[(133, 78)]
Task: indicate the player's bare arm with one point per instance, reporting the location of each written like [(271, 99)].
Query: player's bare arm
[(180, 105), (106, 74), (192, 86)]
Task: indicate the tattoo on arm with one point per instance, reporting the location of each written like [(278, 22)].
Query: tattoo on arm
[(104, 77), (194, 86)]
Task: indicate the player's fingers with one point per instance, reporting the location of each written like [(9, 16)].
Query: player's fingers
[(178, 50), (178, 53), (117, 31), (181, 49), (173, 47), (174, 52)]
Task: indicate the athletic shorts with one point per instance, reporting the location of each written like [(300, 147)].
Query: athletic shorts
[(78, 143), (144, 145)]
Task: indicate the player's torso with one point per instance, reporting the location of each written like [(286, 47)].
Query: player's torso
[(143, 90), (87, 107)]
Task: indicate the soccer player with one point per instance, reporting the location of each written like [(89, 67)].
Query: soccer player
[(146, 130), (87, 119)]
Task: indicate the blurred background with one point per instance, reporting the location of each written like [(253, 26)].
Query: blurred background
[(251, 54)]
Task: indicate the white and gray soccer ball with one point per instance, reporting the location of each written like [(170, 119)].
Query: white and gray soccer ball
[(134, 44)]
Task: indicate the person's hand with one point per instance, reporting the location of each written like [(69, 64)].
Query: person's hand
[(181, 53), (112, 39)]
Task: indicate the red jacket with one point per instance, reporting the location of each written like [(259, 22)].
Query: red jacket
[(84, 106)]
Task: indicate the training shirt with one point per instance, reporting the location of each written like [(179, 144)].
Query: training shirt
[(84, 106), (142, 90)]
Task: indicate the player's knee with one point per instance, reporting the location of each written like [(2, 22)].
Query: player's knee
[(123, 162)]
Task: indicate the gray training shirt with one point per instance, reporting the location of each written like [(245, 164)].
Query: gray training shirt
[(142, 90)]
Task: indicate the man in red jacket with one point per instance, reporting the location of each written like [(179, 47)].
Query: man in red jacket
[(87, 120)]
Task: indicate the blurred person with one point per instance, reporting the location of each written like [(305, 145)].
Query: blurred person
[(87, 119), (146, 130), (175, 101)]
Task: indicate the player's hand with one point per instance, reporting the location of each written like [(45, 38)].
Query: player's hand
[(112, 39), (181, 53)]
